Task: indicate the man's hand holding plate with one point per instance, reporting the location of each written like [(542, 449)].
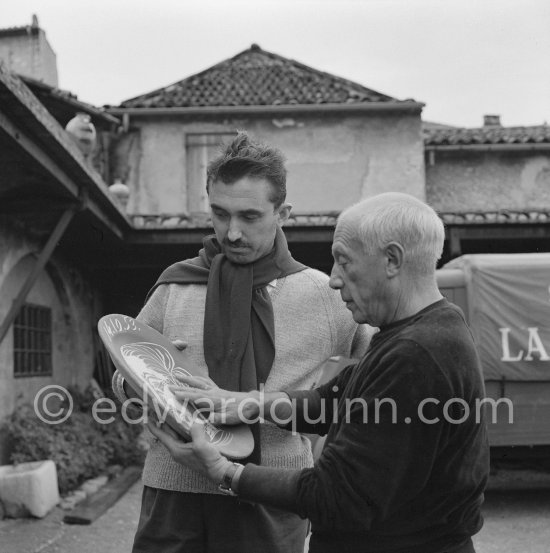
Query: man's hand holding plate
[(220, 406), (198, 454)]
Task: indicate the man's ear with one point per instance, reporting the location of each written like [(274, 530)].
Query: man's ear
[(284, 213), (394, 258)]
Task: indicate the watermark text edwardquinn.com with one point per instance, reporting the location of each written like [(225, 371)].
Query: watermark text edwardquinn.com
[(53, 404)]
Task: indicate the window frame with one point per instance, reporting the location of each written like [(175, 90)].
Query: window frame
[(32, 341)]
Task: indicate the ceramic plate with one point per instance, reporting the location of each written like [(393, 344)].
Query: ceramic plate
[(150, 364)]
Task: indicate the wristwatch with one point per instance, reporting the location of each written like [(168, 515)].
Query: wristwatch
[(225, 486)]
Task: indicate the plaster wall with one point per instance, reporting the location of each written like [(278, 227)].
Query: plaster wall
[(462, 181), (30, 55), (74, 312), (332, 161)]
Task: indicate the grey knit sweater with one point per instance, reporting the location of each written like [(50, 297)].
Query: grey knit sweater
[(311, 324)]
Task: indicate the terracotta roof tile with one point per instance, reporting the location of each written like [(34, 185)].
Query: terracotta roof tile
[(256, 77), (487, 135), (17, 31), (497, 217), (329, 218)]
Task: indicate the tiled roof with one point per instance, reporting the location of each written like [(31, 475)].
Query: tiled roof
[(329, 218), (17, 31), (68, 172), (256, 77), (63, 104), (202, 220), (487, 135), (32, 29), (429, 126), (497, 217)]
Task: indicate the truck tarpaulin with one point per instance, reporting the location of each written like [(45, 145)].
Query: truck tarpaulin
[(509, 300)]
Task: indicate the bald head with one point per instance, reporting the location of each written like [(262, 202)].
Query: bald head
[(399, 218)]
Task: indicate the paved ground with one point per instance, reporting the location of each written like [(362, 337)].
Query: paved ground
[(515, 522), (113, 531)]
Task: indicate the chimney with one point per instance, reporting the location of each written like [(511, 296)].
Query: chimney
[(26, 50), (491, 121)]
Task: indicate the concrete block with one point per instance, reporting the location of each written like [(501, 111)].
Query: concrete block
[(29, 488), (100, 480), (89, 487), (68, 503), (114, 470), (79, 495), (72, 499)]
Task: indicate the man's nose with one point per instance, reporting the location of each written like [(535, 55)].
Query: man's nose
[(335, 279), (234, 233)]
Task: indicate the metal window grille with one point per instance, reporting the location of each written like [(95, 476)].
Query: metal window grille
[(32, 341)]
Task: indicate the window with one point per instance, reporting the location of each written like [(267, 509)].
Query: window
[(200, 149), (32, 341)]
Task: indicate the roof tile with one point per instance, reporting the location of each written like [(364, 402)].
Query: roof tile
[(257, 77), (487, 135), (329, 219)]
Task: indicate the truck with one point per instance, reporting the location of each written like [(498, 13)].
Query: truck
[(506, 302)]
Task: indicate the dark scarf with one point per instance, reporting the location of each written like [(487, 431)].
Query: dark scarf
[(239, 329)]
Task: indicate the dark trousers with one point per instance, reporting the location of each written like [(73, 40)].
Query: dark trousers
[(176, 522)]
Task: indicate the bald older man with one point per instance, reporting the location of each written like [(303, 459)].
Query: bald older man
[(406, 457)]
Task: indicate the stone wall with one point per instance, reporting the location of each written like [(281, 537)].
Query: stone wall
[(469, 180), (333, 160), (31, 55), (75, 310)]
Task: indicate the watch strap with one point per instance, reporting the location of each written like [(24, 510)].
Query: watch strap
[(226, 485)]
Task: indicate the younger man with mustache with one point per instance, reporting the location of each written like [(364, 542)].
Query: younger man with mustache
[(251, 315)]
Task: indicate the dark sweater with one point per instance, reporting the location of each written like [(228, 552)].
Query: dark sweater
[(410, 484)]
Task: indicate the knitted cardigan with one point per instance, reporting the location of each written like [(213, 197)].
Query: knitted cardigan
[(311, 325)]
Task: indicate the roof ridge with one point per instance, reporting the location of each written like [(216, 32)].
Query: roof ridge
[(239, 81), (256, 47), (489, 135), (180, 81), (487, 128)]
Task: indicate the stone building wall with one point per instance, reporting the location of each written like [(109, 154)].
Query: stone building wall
[(75, 309), (333, 160), (28, 53), (491, 180)]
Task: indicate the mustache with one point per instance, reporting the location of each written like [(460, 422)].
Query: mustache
[(236, 244)]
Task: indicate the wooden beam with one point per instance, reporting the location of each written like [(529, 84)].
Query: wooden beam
[(95, 505), (309, 234), (495, 232), (513, 147), (454, 242), (169, 236), (195, 236), (30, 146), (361, 107), (27, 206), (46, 162), (43, 258)]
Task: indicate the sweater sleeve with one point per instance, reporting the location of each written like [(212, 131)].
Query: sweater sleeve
[(382, 451), (313, 410), (270, 486), (152, 313), (375, 460)]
